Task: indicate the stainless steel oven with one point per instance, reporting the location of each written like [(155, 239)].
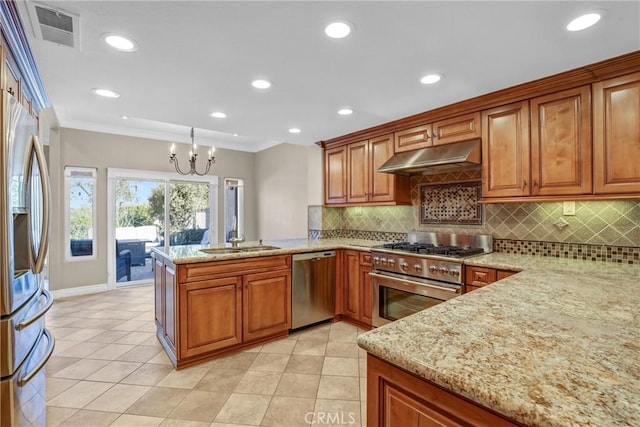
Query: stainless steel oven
[(396, 296)]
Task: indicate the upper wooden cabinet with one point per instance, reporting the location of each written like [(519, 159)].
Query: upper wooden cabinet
[(506, 151), (351, 175), (561, 143), (616, 134), (455, 129)]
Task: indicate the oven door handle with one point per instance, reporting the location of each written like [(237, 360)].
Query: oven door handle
[(429, 285)]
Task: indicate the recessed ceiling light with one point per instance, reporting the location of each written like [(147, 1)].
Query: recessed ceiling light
[(294, 130), (124, 117), (261, 84), (345, 111), (121, 43), (584, 21), (235, 134), (106, 93), (338, 29), (218, 115), (431, 79)]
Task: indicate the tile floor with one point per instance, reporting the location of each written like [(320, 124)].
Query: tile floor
[(108, 369)]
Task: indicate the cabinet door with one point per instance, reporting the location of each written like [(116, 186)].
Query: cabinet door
[(352, 284), (616, 135), (561, 143), (170, 306), (366, 300), (505, 151), (267, 304), (358, 172), (402, 410), (158, 282), (456, 129), (335, 175), (479, 276), (210, 315), (382, 185), (412, 139)]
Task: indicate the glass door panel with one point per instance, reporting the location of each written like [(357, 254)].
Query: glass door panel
[(188, 213)]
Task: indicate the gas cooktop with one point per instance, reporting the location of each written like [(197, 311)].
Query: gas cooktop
[(431, 249)]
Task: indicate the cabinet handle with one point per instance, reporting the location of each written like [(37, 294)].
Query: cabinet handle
[(434, 135), (535, 183), (524, 183)]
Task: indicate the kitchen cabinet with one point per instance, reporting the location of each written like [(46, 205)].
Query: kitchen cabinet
[(351, 176), (477, 277), (455, 129), (209, 308), (396, 398), (357, 287), (616, 135)]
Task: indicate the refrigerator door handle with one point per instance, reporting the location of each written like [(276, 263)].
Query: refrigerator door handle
[(26, 322), (36, 150), (26, 377)]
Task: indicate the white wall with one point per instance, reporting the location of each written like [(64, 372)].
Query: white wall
[(72, 147)]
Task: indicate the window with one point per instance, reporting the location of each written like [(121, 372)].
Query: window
[(233, 208), (80, 212)]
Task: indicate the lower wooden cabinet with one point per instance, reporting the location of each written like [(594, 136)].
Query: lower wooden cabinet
[(357, 287), (396, 398), (205, 309), (477, 277)]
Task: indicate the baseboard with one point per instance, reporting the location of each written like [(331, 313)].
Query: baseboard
[(80, 290)]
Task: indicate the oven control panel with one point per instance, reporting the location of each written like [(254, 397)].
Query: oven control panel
[(446, 271)]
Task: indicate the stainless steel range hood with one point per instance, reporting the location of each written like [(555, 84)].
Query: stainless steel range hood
[(436, 159)]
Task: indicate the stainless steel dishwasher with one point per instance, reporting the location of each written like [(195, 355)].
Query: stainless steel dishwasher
[(314, 288)]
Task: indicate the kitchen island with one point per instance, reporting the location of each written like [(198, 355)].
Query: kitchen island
[(556, 344)]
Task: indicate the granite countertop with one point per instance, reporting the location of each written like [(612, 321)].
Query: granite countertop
[(191, 253), (557, 344)]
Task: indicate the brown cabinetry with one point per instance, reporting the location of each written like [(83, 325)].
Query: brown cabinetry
[(396, 398), (351, 176), (477, 277), (206, 309), (357, 287), (455, 129), (616, 135)]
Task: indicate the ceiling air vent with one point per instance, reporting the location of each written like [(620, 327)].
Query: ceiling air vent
[(55, 25)]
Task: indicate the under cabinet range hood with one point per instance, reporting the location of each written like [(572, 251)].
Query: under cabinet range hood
[(435, 159)]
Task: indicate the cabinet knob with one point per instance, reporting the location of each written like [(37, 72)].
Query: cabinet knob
[(535, 183), (524, 183)]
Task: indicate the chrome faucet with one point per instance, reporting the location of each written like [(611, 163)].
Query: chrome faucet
[(234, 240)]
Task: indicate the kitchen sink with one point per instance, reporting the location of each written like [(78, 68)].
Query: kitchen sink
[(238, 250)]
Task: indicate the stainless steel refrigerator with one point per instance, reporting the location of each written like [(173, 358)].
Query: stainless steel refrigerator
[(25, 343)]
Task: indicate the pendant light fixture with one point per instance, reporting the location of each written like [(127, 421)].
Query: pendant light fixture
[(193, 155)]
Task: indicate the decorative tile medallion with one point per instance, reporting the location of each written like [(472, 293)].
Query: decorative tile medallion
[(452, 203)]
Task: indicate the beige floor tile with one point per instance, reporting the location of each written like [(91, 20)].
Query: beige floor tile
[(140, 353), (62, 332), (269, 362), (114, 371), (85, 418), (362, 353), (158, 402), (279, 347), (220, 380), (259, 382), (81, 369), (111, 351), (343, 326), (148, 374), (241, 361), (347, 413), (118, 398), (255, 349), (63, 345), (148, 327), (342, 388), (315, 335), (113, 315), (55, 386), (301, 364), (135, 338), (185, 378), (363, 413), (215, 424), (152, 341), (81, 349), (80, 394), (288, 412), (83, 334), (343, 335), (56, 415), (160, 359), (310, 348), (127, 420), (298, 385), (108, 337), (58, 322), (342, 349), (130, 325), (362, 367), (363, 389), (244, 409), (58, 363), (94, 323), (345, 366), (200, 406), (186, 423)]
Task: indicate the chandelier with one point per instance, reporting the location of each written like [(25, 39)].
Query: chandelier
[(193, 154)]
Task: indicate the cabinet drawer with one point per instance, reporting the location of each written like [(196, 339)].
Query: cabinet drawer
[(480, 276), (457, 129), (412, 139), (203, 270), (365, 258)]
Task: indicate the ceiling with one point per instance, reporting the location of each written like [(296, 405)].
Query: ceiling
[(198, 57)]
